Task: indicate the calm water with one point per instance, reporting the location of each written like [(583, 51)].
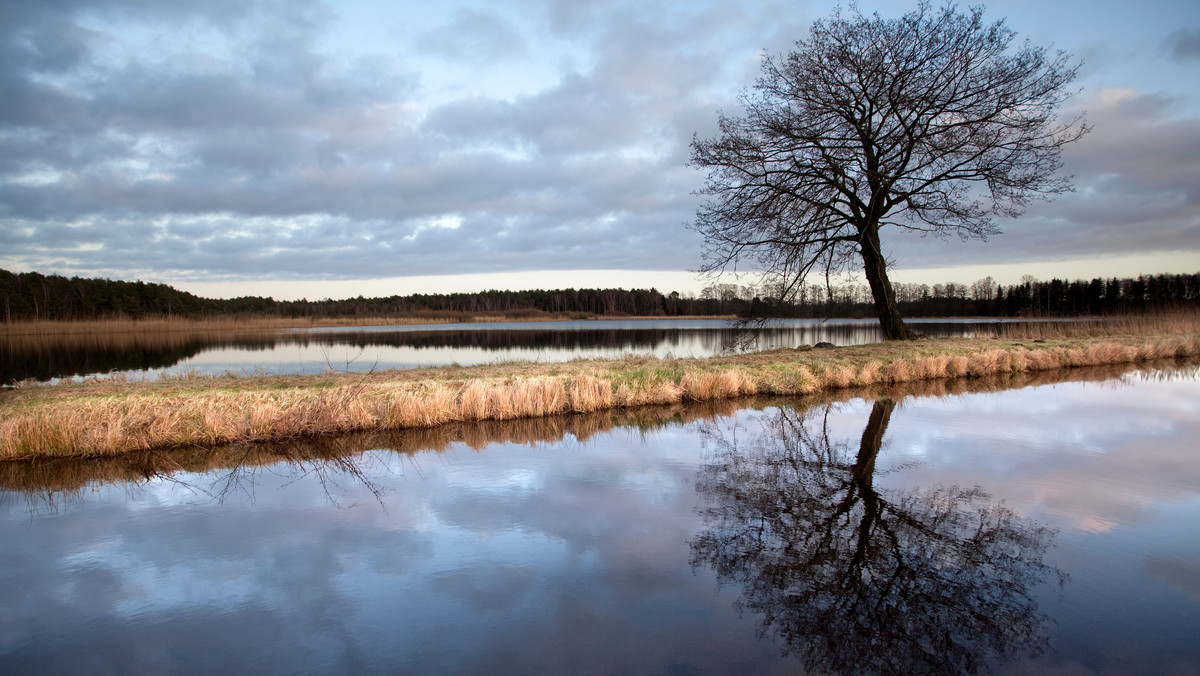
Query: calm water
[(390, 347), (1052, 528)]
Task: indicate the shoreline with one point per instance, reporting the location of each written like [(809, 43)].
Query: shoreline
[(254, 324), (48, 476), (111, 417), (437, 321)]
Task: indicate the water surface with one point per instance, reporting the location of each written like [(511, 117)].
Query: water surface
[(1052, 527), (299, 351)]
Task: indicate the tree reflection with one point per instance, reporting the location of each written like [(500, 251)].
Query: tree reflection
[(336, 470), (340, 465), (858, 580)]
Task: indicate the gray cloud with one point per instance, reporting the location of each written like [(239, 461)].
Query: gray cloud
[(277, 163), (1184, 44), (474, 37), (241, 140), (1137, 189)]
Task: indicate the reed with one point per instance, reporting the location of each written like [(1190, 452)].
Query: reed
[(109, 417), (52, 481), (1163, 322), (725, 384), (90, 330), (869, 374), (837, 377), (899, 372)]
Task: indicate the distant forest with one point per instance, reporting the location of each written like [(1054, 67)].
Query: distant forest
[(32, 296)]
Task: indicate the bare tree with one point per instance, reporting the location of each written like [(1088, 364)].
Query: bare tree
[(984, 289), (932, 122)]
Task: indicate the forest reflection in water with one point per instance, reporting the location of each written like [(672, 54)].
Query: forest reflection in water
[(763, 535), (69, 354)]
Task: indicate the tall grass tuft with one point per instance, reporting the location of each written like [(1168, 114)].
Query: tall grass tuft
[(589, 393), (933, 368), (985, 363), (869, 374), (428, 406), (837, 377), (898, 372), (707, 385), (958, 367)]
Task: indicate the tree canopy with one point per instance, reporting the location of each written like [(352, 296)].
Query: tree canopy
[(933, 122)]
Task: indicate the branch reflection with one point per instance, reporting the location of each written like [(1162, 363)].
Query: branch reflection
[(855, 579), (340, 463)]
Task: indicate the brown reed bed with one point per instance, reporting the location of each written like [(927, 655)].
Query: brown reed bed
[(103, 418), (223, 325), (226, 325), (1156, 323), (69, 474), (51, 479)]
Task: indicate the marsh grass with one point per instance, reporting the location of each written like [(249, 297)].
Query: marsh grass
[(1161, 323), (222, 325), (56, 480), (108, 331), (107, 417)]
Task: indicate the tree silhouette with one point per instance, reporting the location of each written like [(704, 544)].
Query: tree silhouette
[(857, 580), (929, 122)]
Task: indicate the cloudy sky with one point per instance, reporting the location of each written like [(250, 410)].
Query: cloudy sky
[(301, 148)]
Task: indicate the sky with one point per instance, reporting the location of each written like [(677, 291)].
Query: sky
[(363, 147)]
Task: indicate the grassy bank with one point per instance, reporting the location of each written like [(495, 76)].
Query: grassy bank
[(48, 479), (100, 417)]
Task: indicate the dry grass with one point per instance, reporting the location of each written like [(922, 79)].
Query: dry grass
[(110, 330), (1162, 323), (104, 418), (726, 384), (53, 479)]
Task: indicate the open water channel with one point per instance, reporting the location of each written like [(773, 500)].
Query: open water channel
[(298, 351), (1050, 527)]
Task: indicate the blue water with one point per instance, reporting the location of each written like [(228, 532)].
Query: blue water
[(1052, 528)]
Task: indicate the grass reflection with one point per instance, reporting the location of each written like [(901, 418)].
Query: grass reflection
[(51, 479)]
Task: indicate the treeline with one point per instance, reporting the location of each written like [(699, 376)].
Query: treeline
[(33, 296), (1029, 298)]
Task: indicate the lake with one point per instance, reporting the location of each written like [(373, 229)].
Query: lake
[(1052, 528), (297, 351)]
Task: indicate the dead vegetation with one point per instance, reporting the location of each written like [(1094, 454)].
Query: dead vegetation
[(104, 418), (52, 479), (108, 331)]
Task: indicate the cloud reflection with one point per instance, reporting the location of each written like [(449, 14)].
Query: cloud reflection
[(561, 544), (1094, 455)]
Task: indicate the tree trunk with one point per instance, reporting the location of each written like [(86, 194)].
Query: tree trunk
[(875, 268)]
